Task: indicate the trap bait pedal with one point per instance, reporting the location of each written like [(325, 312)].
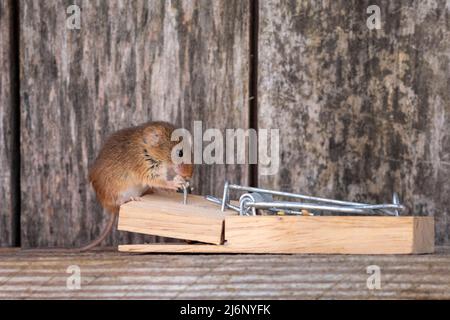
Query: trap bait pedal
[(227, 231)]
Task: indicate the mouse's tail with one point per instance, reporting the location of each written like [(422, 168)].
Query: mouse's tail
[(106, 231)]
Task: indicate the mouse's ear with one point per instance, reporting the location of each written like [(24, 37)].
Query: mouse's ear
[(154, 136)]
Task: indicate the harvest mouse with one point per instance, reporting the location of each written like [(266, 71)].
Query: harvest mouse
[(131, 162)]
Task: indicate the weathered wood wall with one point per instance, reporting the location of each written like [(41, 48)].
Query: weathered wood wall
[(131, 62), (362, 113), (6, 203)]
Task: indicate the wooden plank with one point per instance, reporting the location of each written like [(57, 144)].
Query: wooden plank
[(165, 215), (6, 126), (331, 234), (113, 275), (314, 235), (131, 62), (361, 112), (176, 248)]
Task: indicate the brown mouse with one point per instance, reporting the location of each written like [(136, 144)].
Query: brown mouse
[(135, 159), (131, 162)]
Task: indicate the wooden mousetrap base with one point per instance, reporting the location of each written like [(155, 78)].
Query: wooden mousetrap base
[(200, 220), (165, 215)]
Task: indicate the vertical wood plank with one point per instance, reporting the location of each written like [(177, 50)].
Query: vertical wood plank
[(362, 113), (6, 126), (131, 62)]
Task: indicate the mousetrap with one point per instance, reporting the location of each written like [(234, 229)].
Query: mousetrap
[(259, 224), (165, 215)]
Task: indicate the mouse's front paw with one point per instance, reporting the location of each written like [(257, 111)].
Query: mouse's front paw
[(178, 182), (133, 199)]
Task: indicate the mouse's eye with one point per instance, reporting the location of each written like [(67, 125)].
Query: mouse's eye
[(180, 153)]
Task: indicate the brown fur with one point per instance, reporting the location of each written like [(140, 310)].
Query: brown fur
[(134, 156), (137, 155)]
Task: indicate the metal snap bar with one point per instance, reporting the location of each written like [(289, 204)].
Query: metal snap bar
[(259, 198), (219, 202)]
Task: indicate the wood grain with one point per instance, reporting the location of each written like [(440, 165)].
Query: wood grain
[(176, 248), (331, 235), (424, 235), (113, 275), (314, 235), (6, 127), (165, 215), (361, 113), (131, 62)]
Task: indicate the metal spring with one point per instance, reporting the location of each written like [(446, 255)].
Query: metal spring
[(259, 198)]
